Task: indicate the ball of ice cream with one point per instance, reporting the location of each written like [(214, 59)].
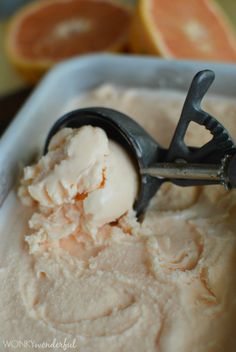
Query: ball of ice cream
[(83, 170)]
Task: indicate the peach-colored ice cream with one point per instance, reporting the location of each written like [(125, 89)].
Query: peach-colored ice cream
[(84, 182), (80, 267)]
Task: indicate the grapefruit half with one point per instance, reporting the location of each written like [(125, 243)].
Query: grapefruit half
[(187, 29), (49, 31)]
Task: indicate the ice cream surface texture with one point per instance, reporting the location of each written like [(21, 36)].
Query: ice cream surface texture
[(72, 274)]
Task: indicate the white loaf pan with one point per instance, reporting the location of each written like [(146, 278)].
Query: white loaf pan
[(27, 133)]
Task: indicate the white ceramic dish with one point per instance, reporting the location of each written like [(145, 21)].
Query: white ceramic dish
[(27, 133)]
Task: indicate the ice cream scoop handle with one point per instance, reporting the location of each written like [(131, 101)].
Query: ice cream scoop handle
[(223, 173), (184, 171)]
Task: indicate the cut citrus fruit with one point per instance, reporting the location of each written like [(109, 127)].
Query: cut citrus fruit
[(48, 31), (189, 29)]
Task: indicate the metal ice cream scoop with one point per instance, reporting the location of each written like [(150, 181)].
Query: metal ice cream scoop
[(213, 163)]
